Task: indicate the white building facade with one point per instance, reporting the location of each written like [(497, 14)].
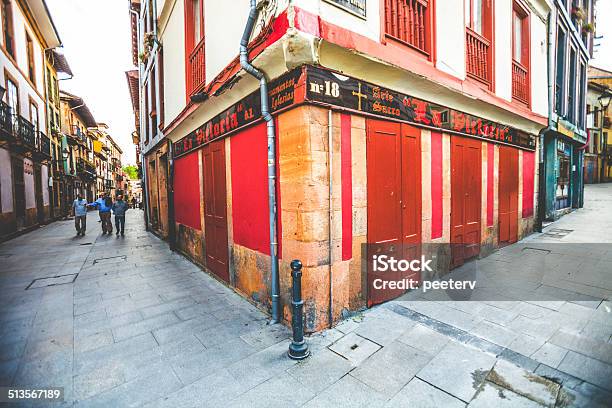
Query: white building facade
[(27, 31)]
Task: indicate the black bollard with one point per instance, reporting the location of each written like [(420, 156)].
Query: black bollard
[(298, 349)]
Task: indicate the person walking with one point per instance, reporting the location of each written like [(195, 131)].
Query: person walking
[(134, 202), (79, 209), (119, 209), (104, 205)]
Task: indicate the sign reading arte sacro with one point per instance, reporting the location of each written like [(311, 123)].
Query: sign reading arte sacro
[(315, 85), (335, 89), (357, 7)]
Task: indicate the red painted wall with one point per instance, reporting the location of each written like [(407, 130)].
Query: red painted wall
[(436, 185), (528, 182), (249, 157), (490, 184), (187, 191), (347, 187)]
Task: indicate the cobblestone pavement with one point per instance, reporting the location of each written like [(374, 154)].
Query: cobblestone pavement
[(141, 326)]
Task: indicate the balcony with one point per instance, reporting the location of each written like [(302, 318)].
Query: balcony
[(109, 184), (196, 74), (407, 22), (86, 170), (26, 134), (6, 122), (478, 50), (43, 147), (520, 83)]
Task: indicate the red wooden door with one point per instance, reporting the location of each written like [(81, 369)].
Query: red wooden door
[(466, 169), (215, 209), (394, 200), (508, 194)]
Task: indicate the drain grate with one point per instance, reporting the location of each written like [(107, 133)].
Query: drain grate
[(530, 249), (52, 281), (5, 255), (110, 259), (144, 246), (558, 232), (86, 243)]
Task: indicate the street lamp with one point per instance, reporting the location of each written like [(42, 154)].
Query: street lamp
[(65, 153), (604, 102)]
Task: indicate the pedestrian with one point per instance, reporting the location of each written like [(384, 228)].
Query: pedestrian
[(79, 209), (119, 209), (104, 205), (134, 202)]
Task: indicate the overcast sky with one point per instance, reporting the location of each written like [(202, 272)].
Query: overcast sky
[(96, 38), (602, 57)]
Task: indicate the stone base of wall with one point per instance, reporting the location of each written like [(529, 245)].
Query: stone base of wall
[(8, 224)]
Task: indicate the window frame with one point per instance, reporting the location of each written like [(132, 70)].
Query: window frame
[(8, 27), (430, 30), (521, 11), (488, 34), (31, 73), (191, 45)]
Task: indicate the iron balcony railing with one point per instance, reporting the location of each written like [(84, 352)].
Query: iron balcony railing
[(86, 166), (44, 145), (26, 132), (6, 119)]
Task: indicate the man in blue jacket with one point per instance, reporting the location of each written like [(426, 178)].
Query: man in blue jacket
[(104, 205), (79, 207), (119, 209)]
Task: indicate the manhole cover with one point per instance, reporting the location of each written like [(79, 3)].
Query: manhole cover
[(110, 259), (52, 281), (557, 232)]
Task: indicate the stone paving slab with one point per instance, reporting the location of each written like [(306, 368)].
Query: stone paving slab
[(151, 329)]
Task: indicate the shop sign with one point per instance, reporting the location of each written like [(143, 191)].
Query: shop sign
[(563, 130), (357, 7), (335, 89), (242, 113)]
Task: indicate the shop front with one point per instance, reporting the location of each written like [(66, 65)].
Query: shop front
[(360, 168), (564, 170)]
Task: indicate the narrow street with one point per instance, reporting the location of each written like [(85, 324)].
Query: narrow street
[(129, 323)]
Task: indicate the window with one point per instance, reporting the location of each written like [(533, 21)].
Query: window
[(571, 91), (479, 34), (30, 52), (194, 45), (560, 74), (7, 27), (12, 96), (520, 54), (410, 22), (581, 96), (34, 116)]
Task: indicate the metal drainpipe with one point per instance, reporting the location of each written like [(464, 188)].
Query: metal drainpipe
[(330, 132), (541, 162), (265, 113), (170, 187)]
